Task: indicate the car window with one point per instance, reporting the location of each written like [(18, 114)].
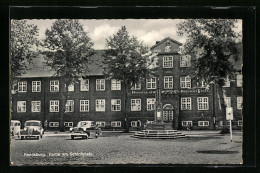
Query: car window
[(32, 124), (16, 124)]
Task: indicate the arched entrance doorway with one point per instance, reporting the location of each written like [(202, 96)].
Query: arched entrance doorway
[(167, 113)]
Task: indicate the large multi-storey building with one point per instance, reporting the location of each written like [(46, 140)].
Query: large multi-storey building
[(36, 95)]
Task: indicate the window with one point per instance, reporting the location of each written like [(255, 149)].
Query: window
[(167, 62), (115, 105), (227, 101), (100, 105), (203, 123), (228, 123), (136, 86), (21, 106), (150, 104), (84, 85), (22, 86), (239, 123), (116, 123), (53, 124), (239, 80), (54, 105), (135, 104), (185, 82), (36, 106), (135, 123), (226, 82), (69, 107), (186, 123), (71, 87), (100, 84), (84, 105), (54, 86), (203, 103), (185, 61), (115, 84), (36, 86), (68, 124), (101, 123), (151, 83), (170, 115), (186, 103), (168, 82), (239, 103)]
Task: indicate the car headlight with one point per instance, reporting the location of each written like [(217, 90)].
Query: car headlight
[(34, 129), (71, 129), (25, 128)]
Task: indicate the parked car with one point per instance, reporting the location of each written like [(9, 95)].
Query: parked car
[(15, 127), (32, 128), (85, 129)]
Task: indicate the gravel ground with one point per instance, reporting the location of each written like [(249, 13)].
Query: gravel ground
[(120, 148)]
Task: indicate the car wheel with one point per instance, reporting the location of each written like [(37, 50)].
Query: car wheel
[(96, 135), (37, 137), (72, 137), (22, 137)]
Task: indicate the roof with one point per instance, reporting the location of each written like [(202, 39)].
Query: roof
[(167, 38), (39, 69), (33, 121)]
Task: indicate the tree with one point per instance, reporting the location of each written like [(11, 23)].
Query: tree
[(23, 46), (128, 61), (67, 50), (215, 45)]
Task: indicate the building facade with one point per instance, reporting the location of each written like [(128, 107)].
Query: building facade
[(183, 101)]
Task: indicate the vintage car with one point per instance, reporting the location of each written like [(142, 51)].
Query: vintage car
[(85, 129), (32, 128), (15, 127)]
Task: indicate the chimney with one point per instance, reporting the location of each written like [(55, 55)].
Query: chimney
[(157, 42)]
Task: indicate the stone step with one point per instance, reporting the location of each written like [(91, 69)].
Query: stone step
[(158, 134)]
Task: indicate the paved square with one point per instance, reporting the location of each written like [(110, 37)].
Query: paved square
[(120, 148)]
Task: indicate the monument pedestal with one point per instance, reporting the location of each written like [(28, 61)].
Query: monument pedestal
[(159, 126)]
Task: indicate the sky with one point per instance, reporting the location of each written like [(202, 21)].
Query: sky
[(147, 30)]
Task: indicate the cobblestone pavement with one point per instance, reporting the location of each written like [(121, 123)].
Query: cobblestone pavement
[(120, 148)]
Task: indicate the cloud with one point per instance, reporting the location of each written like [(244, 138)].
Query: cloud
[(101, 33)]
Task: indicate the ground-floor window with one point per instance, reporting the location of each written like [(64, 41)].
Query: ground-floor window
[(239, 122), (101, 123), (68, 124), (53, 124), (186, 123), (203, 123), (115, 123), (133, 123), (149, 122), (21, 106)]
